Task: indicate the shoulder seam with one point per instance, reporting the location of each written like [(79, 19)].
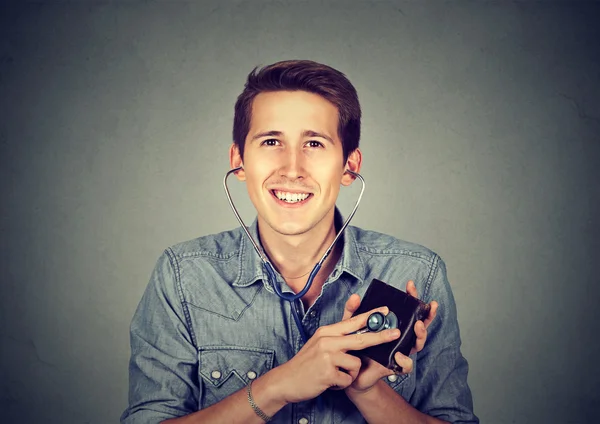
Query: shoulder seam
[(200, 253), (432, 274)]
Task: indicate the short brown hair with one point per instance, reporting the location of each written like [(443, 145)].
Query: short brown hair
[(301, 75)]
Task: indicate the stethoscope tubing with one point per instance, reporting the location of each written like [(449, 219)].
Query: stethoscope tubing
[(291, 297)]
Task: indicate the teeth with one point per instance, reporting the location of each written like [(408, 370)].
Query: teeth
[(291, 197)]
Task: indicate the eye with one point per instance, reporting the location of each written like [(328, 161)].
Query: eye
[(314, 143), (270, 142)]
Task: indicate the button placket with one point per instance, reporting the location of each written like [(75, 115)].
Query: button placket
[(312, 321)]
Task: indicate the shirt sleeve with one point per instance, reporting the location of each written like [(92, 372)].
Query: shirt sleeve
[(163, 368), (441, 370)]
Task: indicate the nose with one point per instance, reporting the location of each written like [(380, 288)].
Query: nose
[(292, 165)]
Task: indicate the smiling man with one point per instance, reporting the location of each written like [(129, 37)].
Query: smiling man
[(212, 342)]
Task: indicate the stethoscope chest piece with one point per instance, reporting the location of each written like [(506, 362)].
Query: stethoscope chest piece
[(378, 322)]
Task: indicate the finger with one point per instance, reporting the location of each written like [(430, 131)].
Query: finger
[(380, 369), (349, 325), (421, 333), (365, 340), (404, 362), (411, 289), (352, 305), (341, 380), (432, 313), (347, 362), (358, 322)]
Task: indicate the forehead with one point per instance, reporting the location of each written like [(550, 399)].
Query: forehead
[(293, 109)]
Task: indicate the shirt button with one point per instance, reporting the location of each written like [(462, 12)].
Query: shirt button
[(251, 375), (313, 313), (216, 374), (392, 378), (303, 420)]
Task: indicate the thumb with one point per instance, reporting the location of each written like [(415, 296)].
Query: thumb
[(352, 305)]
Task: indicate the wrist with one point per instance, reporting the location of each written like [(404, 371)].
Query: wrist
[(267, 393), (370, 392)]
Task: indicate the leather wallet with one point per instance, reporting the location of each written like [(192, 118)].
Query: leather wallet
[(408, 310)]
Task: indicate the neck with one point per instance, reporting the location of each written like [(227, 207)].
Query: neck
[(295, 256)]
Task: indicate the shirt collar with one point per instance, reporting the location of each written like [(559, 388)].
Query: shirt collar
[(251, 266)]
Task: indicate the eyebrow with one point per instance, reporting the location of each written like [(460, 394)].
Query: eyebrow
[(306, 133), (309, 133)]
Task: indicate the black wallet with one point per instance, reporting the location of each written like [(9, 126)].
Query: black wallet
[(408, 311)]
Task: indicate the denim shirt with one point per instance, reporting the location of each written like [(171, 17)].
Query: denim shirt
[(210, 321)]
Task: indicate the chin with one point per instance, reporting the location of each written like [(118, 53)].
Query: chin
[(291, 228)]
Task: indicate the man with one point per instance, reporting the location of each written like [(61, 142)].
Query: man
[(210, 340)]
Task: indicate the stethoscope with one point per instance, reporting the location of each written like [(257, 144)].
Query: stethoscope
[(291, 297)]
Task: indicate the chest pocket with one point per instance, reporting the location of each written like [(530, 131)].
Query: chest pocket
[(226, 369)]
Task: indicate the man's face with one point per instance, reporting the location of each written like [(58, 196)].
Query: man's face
[(293, 161)]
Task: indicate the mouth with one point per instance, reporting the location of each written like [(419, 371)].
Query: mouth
[(291, 198)]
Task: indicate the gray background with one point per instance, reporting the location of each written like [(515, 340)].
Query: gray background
[(480, 140)]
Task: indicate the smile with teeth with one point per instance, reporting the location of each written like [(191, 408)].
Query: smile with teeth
[(290, 197)]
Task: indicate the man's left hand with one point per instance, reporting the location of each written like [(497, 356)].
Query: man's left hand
[(372, 371)]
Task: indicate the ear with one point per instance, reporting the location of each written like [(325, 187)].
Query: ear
[(235, 161), (353, 164)]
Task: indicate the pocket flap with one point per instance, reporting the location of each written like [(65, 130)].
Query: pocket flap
[(217, 364)]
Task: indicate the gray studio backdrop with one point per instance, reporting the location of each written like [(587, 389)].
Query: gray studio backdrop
[(480, 140)]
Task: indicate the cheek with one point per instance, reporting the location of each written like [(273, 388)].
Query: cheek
[(254, 182), (257, 173), (261, 164), (330, 182)]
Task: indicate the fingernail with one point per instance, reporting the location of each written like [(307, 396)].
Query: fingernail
[(395, 333)]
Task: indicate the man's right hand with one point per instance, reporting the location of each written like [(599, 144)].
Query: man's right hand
[(323, 362)]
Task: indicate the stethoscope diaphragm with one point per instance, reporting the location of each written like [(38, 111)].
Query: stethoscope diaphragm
[(378, 322)]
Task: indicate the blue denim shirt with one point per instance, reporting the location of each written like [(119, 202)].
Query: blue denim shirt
[(209, 321)]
